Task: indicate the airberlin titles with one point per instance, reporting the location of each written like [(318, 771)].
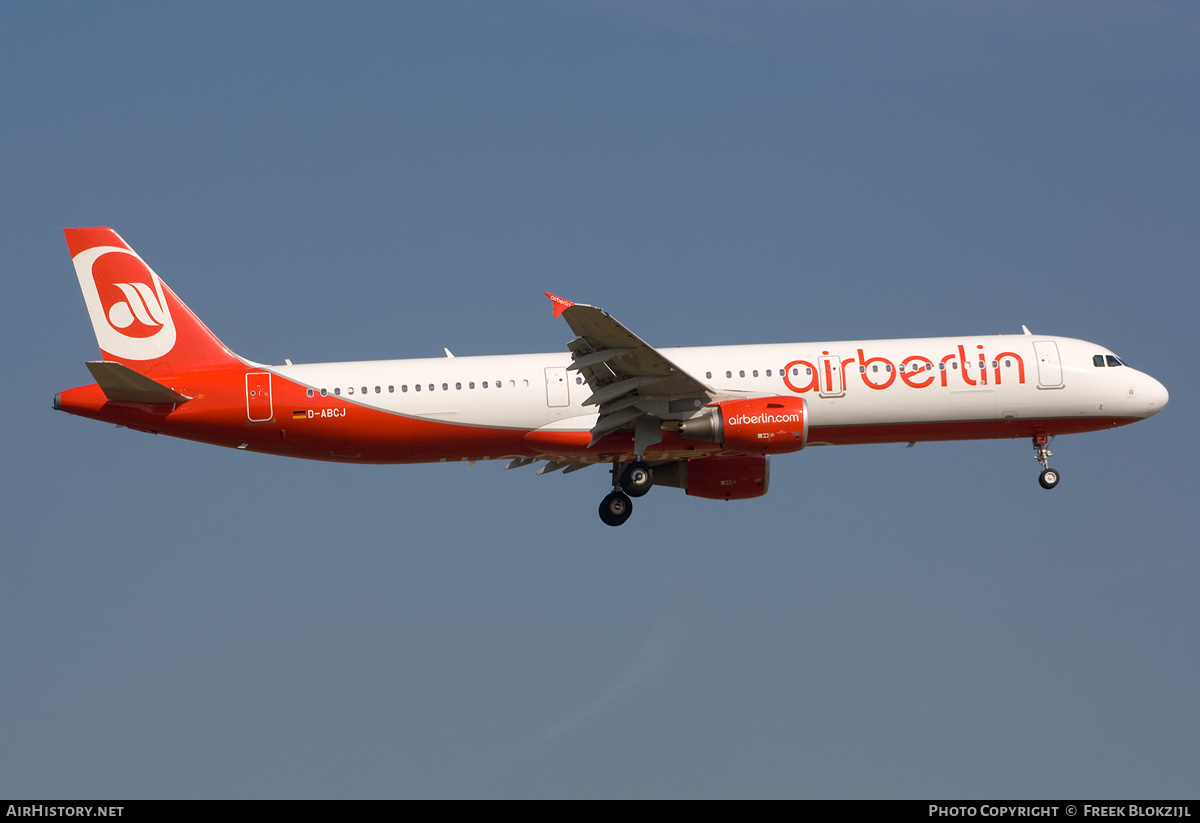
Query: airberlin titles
[(917, 371), (756, 425)]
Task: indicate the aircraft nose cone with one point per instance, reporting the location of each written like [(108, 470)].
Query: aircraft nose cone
[(1156, 397)]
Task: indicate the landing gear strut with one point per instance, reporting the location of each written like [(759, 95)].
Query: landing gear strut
[(634, 481), (1049, 477)]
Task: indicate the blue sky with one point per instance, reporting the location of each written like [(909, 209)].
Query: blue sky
[(382, 180)]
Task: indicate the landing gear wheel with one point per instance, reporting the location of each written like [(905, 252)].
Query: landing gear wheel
[(637, 479), (1041, 452), (615, 508)]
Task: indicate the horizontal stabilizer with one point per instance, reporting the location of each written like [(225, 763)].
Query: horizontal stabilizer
[(123, 385)]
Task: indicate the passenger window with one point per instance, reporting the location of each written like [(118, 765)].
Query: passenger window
[(741, 372), (364, 391), (707, 376), (458, 386), (338, 392), (350, 390), (485, 384), (404, 388), (378, 390), (445, 387), (324, 392), (729, 374), (754, 373), (579, 380), (471, 385), (768, 372), (310, 392), (431, 387), (391, 389)]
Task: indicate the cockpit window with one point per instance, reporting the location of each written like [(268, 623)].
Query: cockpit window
[(1112, 361), (1098, 361)]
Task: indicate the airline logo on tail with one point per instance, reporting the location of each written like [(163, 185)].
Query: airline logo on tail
[(126, 303)]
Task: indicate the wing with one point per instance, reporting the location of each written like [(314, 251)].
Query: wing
[(632, 383)]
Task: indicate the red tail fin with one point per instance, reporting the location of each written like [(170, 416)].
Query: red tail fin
[(138, 321)]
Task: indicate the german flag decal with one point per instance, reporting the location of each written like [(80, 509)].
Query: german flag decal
[(299, 415)]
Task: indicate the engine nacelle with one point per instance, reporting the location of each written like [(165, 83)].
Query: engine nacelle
[(718, 478), (758, 425)]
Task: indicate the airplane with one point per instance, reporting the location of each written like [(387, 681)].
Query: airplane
[(702, 419)]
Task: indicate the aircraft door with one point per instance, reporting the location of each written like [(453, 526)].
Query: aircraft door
[(258, 397), (557, 393), (829, 375), (1050, 374)]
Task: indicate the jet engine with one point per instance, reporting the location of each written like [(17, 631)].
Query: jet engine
[(757, 425)]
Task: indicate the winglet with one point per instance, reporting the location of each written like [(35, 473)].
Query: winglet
[(560, 305)]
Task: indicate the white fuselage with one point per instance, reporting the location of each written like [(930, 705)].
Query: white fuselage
[(855, 383)]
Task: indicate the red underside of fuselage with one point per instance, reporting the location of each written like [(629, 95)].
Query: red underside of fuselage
[(357, 434)]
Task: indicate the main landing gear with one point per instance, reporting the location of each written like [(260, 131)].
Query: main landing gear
[(1049, 477), (634, 481)]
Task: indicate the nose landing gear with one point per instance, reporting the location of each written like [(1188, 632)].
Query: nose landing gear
[(1049, 477)]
